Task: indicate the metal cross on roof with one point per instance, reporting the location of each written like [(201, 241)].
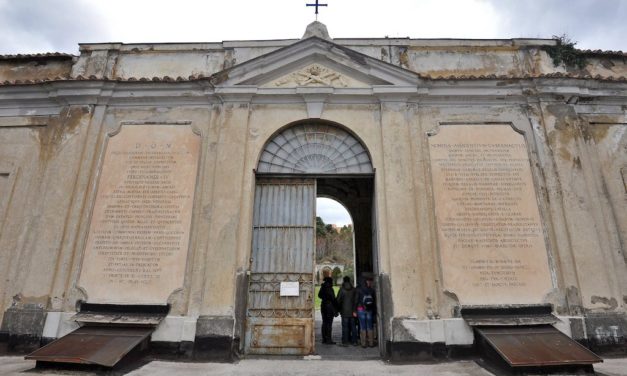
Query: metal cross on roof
[(317, 5)]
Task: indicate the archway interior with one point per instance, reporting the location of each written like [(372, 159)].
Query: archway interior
[(356, 195), (301, 162)]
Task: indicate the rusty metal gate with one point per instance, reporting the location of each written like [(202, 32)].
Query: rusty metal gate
[(280, 313)]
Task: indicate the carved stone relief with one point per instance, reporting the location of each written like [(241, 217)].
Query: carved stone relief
[(316, 75)]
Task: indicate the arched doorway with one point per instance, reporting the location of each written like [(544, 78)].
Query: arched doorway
[(297, 164)]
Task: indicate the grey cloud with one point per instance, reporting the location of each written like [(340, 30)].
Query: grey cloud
[(332, 212), (32, 26), (28, 26), (594, 24)]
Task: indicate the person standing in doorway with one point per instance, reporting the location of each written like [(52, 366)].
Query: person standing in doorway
[(346, 303), (328, 309), (366, 308)]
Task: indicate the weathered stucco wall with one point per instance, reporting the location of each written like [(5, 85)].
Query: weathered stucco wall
[(42, 163), (591, 243), (52, 139), (52, 192), (33, 68), (429, 58)]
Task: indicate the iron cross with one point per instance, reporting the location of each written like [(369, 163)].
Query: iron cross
[(317, 5)]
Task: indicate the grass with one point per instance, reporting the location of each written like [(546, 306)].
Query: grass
[(317, 300)]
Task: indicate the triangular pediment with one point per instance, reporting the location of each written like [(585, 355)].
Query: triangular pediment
[(315, 62)]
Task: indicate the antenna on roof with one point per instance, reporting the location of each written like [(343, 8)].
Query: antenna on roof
[(317, 5)]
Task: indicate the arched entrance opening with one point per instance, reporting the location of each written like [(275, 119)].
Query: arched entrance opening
[(299, 163), (335, 243)]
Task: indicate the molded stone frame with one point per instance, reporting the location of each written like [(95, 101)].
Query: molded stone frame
[(177, 295), (450, 300), (8, 175)]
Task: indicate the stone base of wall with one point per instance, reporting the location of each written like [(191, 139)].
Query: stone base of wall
[(214, 340), (21, 328), (210, 338), (417, 352), (184, 338), (428, 340), (606, 332), (450, 332)]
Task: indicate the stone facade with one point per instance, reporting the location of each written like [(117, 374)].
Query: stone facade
[(56, 112)]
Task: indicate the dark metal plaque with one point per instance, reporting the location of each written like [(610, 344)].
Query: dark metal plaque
[(529, 346), (98, 345)]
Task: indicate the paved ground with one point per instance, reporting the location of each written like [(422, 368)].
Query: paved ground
[(330, 360), (336, 352), (17, 366), (612, 367), (265, 367)]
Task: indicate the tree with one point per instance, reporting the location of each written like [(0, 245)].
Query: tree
[(320, 227), (332, 245)]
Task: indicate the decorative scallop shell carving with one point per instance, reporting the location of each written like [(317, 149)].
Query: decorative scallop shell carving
[(314, 149)]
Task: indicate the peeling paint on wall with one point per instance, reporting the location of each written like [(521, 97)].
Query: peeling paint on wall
[(610, 303)]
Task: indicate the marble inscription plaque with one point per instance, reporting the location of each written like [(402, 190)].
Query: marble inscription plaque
[(138, 237), (490, 236)]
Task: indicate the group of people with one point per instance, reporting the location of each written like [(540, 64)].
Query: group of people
[(356, 305)]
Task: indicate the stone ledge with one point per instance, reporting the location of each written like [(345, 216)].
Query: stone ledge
[(413, 352), (445, 331)]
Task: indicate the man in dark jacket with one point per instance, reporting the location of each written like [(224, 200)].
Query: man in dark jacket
[(346, 303), (328, 309)]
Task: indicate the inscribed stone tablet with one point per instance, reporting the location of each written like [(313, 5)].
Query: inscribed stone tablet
[(489, 231), (138, 238)]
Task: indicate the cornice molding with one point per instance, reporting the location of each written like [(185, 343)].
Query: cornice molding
[(198, 93)]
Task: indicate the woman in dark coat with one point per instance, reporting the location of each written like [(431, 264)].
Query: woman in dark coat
[(328, 308)]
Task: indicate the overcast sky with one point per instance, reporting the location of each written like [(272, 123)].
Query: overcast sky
[(30, 26), (332, 212)]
